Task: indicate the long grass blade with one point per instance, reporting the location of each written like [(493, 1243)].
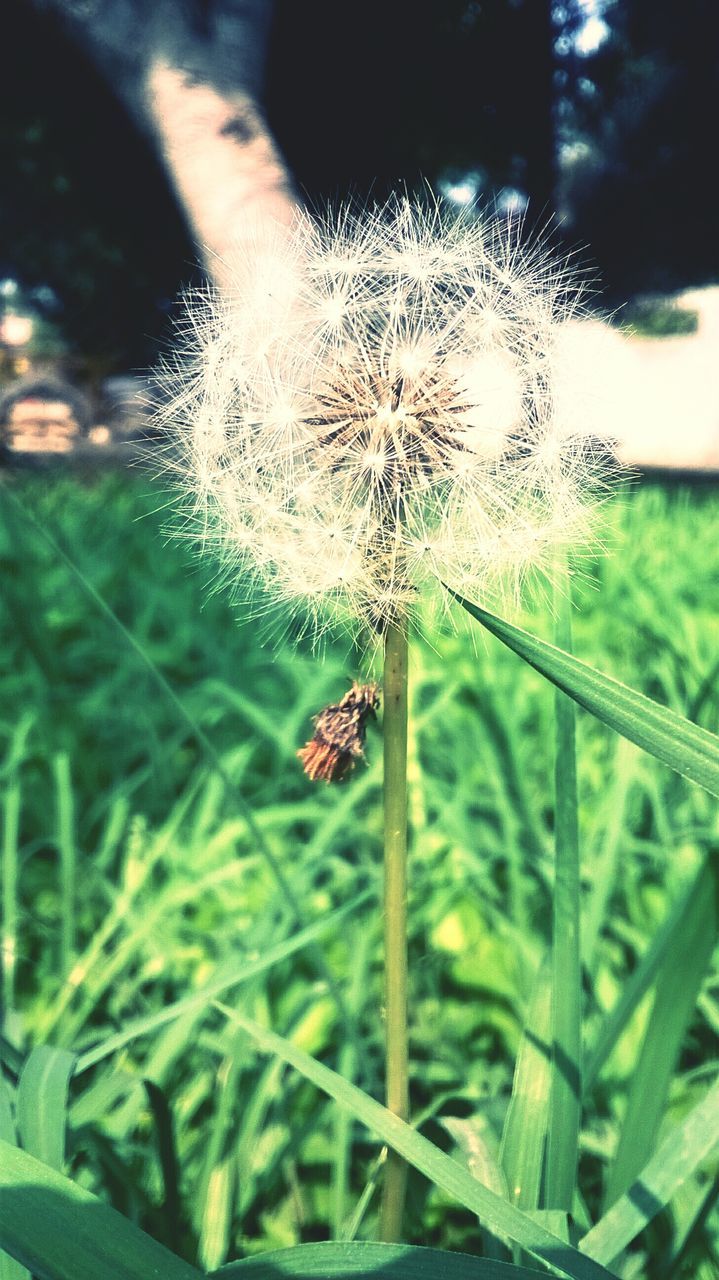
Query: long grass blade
[(217, 1215), (677, 988), (348, 1066), (249, 1133), (667, 942), (566, 1088), (525, 1128), (60, 1231), (67, 852), (169, 1163), (496, 1213), (9, 885), (605, 853), (663, 733), (690, 1241), (213, 1211), (7, 1122), (678, 1156)]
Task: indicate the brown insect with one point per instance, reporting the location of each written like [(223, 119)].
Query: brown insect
[(339, 736)]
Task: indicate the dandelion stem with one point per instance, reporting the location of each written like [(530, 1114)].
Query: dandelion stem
[(395, 915)]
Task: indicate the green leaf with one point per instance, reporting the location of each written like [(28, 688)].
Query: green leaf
[(565, 1105), (365, 1261), (229, 976), (685, 747), (496, 1213), (42, 1103), (677, 1157), (62, 1232)]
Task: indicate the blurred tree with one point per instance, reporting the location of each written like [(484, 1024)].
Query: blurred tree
[(96, 94), (370, 95), (635, 136), (190, 73), (88, 224)]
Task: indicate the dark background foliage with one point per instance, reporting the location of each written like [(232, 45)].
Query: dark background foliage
[(361, 97)]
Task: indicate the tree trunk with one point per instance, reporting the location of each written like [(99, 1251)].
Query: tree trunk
[(224, 163), (191, 73)]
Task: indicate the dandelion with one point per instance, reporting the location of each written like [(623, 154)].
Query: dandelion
[(385, 406)]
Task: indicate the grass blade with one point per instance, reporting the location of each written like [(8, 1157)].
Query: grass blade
[(81, 1238), (666, 943), (525, 1127), (42, 1103), (217, 1216), (10, 859), (365, 1261), (230, 976), (68, 856), (213, 1207), (691, 1233), (678, 985), (169, 1165), (496, 1213), (677, 1157), (611, 820), (565, 1103), (348, 1066), (7, 1123), (685, 747)]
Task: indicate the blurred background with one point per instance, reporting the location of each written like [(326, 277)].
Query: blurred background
[(593, 114), (155, 821)]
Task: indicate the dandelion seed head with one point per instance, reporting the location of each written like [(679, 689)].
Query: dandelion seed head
[(388, 402)]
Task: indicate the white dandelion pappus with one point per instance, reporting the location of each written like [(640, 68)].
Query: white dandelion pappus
[(381, 408)]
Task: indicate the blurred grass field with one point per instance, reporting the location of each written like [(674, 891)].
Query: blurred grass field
[(134, 871)]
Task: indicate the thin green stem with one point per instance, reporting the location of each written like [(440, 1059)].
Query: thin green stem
[(395, 916)]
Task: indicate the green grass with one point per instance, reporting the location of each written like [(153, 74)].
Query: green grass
[(656, 317), (150, 848)]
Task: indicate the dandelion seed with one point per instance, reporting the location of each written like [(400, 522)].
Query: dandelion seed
[(386, 405)]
